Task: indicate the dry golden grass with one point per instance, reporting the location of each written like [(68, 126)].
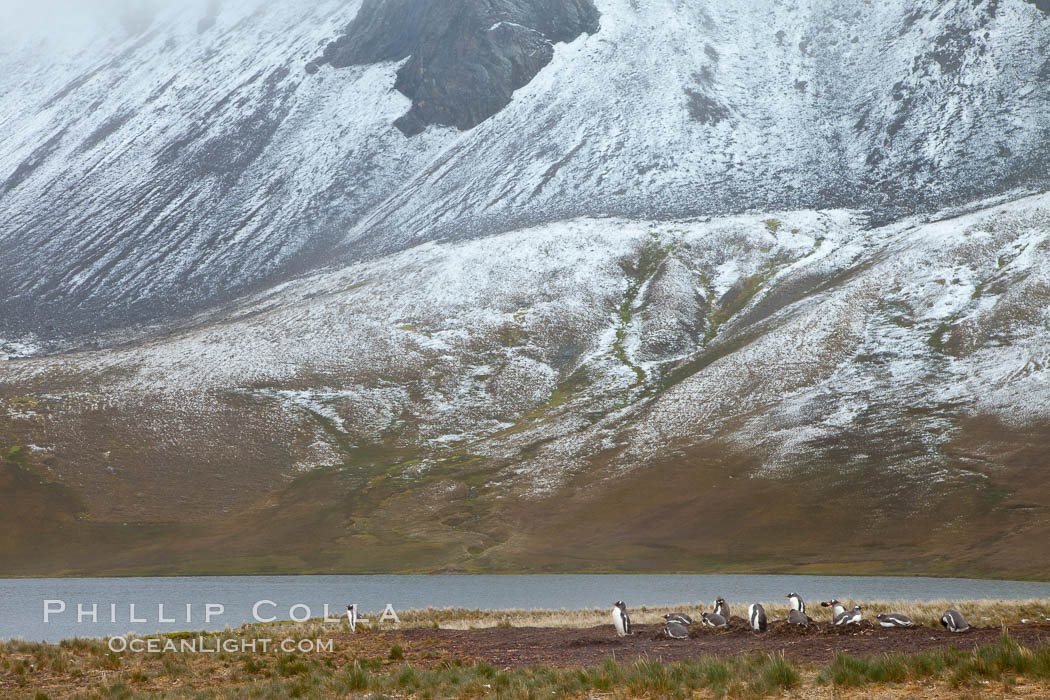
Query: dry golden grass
[(983, 612)]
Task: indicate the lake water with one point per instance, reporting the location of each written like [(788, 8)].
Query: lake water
[(22, 601)]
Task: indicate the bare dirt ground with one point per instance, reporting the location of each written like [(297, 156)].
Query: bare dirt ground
[(516, 647)]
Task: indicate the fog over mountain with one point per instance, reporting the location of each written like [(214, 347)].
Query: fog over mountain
[(328, 263)]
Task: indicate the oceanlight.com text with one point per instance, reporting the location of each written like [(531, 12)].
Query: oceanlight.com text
[(212, 645)]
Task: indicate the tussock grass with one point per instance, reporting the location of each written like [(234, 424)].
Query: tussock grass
[(89, 664), (753, 676), (1002, 661)]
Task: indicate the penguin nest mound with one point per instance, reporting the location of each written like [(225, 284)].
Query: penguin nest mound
[(736, 624), (813, 629)]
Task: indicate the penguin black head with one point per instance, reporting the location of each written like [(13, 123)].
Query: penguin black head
[(830, 603), (620, 604)]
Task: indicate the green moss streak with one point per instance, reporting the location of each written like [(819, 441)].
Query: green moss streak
[(652, 256)]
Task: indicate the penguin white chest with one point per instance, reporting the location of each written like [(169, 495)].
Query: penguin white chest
[(619, 622)]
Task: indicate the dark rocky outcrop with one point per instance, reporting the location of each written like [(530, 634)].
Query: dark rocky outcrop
[(467, 56)]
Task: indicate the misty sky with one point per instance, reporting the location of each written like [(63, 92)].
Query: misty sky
[(43, 12), (57, 18)]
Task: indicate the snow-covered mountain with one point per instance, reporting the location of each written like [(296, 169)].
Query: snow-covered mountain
[(167, 162), (508, 284)]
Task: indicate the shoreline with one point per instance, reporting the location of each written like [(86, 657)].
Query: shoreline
[(287, 574), (981, 612)]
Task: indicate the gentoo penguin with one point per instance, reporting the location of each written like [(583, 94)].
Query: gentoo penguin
[(839, 616), (796, 602), (713, 620), (837, 608), (676, 630), (954, 621), (894, 620), (797, 617), (854, 615), (756, 615), (721, 608), (621, 620), (680, 618)]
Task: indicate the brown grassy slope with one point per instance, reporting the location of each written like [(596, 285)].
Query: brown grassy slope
[(702, 510)]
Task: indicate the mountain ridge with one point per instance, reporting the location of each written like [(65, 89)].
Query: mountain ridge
[(242, 170)]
